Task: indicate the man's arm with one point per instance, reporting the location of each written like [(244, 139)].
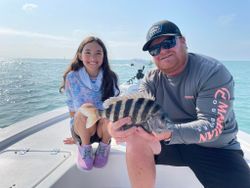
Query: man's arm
[(214, 107)]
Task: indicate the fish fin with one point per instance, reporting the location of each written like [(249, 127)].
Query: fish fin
[(135, 95)]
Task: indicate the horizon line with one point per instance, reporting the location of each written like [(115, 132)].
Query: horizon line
[(130, 59)]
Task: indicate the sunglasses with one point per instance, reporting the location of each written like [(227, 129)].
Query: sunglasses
[(165, 44)]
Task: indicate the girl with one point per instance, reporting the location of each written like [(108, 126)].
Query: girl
[(89, 79)]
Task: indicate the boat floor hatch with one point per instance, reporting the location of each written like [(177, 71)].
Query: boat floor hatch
[(27, 168)]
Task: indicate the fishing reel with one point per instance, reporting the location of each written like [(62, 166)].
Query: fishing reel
[(139, 75)]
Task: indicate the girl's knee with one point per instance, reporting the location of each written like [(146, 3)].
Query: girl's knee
[(80, 120), (102, 125), (80, 125)]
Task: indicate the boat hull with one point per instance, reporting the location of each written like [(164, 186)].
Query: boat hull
[(33, 155)]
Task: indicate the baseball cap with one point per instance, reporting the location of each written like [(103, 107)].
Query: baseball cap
[(161, 28)]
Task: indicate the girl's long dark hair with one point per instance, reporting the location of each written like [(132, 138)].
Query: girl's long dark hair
[(110, 80)]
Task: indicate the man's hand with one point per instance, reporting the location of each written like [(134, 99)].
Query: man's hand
[(114, 129), (152, 139)]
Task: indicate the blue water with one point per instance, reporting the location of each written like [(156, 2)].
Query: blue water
[(31, 86)]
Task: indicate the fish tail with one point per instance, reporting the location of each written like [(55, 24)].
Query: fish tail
[(91, 112)]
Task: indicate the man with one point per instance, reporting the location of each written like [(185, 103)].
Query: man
[(197, 93)]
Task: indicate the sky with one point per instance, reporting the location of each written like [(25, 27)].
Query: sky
[(55, 28)]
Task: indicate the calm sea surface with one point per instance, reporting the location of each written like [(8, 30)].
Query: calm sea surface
[(30, 86)]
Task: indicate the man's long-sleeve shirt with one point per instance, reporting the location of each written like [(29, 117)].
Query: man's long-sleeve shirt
[(199, 101)]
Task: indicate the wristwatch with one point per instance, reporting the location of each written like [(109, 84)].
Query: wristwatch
[(166, 141)]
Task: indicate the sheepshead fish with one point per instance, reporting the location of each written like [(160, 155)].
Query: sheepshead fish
[(141, 107)]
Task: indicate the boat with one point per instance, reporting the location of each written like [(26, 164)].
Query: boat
[(32, 154)]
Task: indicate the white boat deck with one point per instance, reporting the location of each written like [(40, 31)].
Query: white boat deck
[(33, 155)]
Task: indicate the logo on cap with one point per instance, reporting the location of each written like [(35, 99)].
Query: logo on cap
[(154, 30)]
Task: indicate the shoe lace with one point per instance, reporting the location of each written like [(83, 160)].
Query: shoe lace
[(102, 150), (87, 153)]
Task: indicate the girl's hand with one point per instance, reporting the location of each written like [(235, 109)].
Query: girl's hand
[(69, 140)]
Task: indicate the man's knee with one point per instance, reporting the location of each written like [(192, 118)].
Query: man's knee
[(138, 146)]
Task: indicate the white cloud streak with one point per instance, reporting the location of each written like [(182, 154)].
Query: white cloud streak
[(29, 34), (29, 7)]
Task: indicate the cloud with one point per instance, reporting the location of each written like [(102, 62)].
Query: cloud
[(29, 34), (29, 7), (226, 20)]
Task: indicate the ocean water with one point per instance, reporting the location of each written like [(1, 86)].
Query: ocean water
[(31, 86)]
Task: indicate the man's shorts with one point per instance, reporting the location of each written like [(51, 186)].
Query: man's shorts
[(214, 167)]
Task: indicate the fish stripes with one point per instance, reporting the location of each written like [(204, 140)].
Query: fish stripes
[(147, 108), (156, 108), (117, 110), (108, 111), (128, 105), (137, 107)]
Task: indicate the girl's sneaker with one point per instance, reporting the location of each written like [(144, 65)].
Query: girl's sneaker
[(101, 155), (85, 157)]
